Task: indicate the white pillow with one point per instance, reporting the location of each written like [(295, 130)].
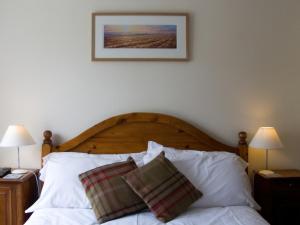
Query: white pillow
[(220, 176), (62, 188), (138, 158), (59, 156)]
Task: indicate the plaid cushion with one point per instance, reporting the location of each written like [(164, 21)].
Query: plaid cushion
[(108, 193), (165, 190)]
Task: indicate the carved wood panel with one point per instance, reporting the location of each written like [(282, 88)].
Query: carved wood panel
[(5, 206)]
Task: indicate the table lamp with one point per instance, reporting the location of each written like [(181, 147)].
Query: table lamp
[(17, 136), (266, 138)]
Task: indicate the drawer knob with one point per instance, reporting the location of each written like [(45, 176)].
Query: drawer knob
[(290, 185)]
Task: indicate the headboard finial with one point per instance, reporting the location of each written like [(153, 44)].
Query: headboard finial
[(47, 137), (243, 145), (242, 138)]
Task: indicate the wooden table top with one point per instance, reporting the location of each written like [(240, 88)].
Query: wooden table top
[(25, 177), (289, 173)]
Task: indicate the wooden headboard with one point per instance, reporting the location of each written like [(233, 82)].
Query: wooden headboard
[(131, 132)]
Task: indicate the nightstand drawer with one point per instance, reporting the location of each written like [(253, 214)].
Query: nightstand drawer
[(286, 214), (287, 199), (286, 185), (286, 192)]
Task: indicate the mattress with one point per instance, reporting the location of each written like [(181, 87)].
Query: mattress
[(234, 215)]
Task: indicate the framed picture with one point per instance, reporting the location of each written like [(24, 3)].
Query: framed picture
[(139, 36)]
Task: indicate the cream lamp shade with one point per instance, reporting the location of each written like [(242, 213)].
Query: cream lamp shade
[(16, 136), (266, 138)]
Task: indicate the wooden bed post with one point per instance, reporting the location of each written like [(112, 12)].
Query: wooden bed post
[(47, 143), (243, 146)]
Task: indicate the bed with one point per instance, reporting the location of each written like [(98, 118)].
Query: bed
[(130, 133)]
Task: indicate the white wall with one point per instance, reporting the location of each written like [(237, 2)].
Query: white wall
[(244, 72)]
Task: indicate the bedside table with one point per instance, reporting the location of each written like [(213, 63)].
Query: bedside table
[(16, 196), (279, 196)]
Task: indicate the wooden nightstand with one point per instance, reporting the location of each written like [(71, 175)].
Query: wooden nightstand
[(16, 196), (279, 196)]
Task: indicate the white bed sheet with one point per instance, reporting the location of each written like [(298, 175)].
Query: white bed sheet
[(234, 215)]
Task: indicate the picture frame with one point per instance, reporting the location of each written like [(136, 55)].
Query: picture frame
[(140, 36)]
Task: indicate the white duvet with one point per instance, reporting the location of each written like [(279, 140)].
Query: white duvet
[(234, 215)]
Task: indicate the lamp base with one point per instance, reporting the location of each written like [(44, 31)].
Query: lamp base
[(266, 172), (19, 171)]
